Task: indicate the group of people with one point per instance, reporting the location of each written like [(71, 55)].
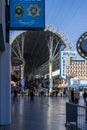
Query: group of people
[(74, 95), (15, 94)]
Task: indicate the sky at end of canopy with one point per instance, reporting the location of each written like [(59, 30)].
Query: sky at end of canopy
[(66, 16)]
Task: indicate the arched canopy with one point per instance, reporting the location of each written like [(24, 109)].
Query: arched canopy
[(36, 48)]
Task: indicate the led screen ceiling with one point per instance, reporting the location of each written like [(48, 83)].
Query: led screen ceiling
[(27, 14)]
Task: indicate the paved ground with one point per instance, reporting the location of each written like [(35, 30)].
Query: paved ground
[(42, 113)]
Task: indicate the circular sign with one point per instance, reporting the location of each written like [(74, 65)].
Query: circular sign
[(82, 45), (18, 11), (34, 10), (17, 61)]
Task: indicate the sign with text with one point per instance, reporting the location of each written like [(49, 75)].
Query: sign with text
[(27, 14)]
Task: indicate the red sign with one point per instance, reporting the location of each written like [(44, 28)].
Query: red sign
[(17, 61)]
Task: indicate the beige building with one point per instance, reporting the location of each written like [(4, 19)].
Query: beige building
[(77, 68)]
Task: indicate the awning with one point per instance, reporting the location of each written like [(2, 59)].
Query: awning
[(74, 85)]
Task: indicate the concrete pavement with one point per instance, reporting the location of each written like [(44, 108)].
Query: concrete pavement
[(41, 113)]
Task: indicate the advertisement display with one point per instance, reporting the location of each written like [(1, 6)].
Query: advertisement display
[(27, 14)]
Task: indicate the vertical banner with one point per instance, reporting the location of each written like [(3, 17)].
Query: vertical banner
[(27, 14)]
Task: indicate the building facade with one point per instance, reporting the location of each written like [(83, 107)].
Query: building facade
[(77, 68)]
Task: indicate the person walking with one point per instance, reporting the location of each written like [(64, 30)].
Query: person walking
[(85, 96), (31, 94), (72, 95), (15, 94)]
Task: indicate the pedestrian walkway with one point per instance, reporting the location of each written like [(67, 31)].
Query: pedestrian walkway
[(42, 113)]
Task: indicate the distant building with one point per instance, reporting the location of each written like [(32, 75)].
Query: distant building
[(65, 60), (77, 68)]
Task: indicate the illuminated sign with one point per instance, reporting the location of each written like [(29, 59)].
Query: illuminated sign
[(75, 81), (68, 53), (27, 14)]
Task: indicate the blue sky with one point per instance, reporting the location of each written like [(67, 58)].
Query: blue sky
[(68, 17)]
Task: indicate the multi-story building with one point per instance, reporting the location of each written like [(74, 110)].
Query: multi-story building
[(77, 68)]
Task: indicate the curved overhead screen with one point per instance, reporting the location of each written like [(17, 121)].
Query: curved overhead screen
[(27, 14)]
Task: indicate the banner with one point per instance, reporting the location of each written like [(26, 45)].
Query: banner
[(27, 14)]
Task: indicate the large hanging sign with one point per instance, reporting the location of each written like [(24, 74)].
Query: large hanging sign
[(27, 14), (82, 45)]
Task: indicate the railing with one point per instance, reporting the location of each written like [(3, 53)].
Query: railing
[(76, 116)]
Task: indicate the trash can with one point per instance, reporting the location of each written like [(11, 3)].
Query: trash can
[(71, 113)]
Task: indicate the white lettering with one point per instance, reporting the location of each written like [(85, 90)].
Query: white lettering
[(27, 23)]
